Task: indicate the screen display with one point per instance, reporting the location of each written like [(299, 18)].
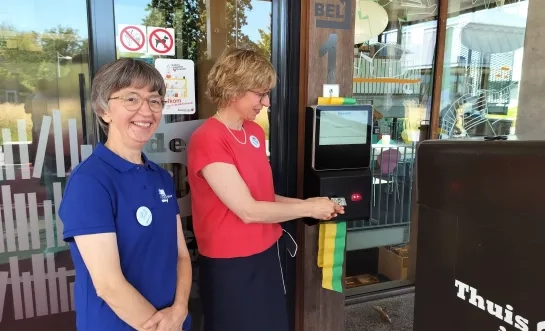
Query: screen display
[(343, 127)]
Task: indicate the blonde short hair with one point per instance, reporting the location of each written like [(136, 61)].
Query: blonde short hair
[(237, 71)]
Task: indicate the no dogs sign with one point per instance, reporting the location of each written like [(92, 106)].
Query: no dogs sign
[(161, 41)]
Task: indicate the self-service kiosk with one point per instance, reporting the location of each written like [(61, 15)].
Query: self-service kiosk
[(481, 226), (337, 165), (338, 156)]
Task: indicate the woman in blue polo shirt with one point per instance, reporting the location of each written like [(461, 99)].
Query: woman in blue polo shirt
[(121, 216)]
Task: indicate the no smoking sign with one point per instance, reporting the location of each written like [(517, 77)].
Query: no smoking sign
[(160, 41)]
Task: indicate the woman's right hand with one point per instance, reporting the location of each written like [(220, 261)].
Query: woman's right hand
[(323, 208)]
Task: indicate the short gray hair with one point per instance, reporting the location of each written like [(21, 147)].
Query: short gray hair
[(121, 74)]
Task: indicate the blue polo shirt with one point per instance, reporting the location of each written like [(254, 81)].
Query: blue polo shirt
[(105, 194)]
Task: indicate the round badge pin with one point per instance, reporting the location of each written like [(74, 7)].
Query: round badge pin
[(254, 141), (143, 215)]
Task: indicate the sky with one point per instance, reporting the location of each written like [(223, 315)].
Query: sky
[(38, 15)]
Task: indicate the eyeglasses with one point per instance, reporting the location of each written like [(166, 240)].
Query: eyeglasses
[(261, 95), (133, 102)]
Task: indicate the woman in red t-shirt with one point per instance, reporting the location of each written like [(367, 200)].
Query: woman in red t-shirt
[(236, 213)]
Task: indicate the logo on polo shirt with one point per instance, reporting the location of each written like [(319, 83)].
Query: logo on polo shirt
[(254, 141), (164, 197)]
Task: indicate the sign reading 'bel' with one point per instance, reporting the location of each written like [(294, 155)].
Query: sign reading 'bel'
[(334, 16)]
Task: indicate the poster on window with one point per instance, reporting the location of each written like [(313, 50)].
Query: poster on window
[(179, 76)]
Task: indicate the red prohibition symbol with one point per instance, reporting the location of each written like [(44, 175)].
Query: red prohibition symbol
[(156, 40), (129, 38)]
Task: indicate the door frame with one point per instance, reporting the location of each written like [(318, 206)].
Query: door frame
[(285, 48), (102, 49)]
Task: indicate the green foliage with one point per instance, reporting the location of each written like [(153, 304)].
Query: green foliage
[(31, 56), (264, 44), (185, 17), (9, 114), (189, 19)]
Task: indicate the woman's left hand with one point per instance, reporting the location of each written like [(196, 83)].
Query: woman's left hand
[(172, 318)]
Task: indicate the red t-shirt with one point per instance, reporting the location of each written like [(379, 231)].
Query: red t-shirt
[(219, 232)]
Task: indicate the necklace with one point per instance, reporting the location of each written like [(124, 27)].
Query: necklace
[(240, 142)]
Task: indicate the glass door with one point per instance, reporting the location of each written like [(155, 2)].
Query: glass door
[(44, 80), (183, 39), (394, 67)]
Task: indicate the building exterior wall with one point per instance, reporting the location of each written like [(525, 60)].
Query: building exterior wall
[(394, 69)]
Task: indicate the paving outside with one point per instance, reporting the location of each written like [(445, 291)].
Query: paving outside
[(364, 316)]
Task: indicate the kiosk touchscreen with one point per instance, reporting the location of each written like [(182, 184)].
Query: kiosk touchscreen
[(341, 137), (337, 157)]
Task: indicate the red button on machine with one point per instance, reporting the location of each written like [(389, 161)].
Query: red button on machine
[(356, 197)]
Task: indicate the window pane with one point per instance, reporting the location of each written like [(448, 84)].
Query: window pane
[(202, 30), (44, 72), (393, 71), (483, 60)]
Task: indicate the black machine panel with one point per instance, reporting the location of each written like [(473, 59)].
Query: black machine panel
[(337, 157), (352, 187), (481, 229)]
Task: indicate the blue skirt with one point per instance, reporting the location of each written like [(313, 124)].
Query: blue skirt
[(243, 294)]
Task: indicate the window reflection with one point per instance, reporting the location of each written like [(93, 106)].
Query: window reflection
[(203, 29), (393, 72), (482, 69), (42, 73), (44, 76)]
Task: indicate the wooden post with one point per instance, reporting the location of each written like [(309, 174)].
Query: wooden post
[(438, 69), (327, 57)]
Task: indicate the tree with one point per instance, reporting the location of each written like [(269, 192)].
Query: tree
[(183, 17), (31, 56), (189, 19), (236, 20), (264, 43), (64, 41), (19, 49)]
